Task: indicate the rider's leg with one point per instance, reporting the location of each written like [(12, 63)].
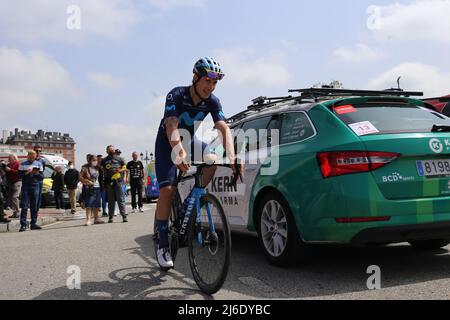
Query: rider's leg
[(207, 156), (166, 173), (163, 208), (208, 175)]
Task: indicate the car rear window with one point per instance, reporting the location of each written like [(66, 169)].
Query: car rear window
[(368, 119)]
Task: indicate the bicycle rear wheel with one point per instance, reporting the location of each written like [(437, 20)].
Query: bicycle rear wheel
[(173, 236), (209, 245)]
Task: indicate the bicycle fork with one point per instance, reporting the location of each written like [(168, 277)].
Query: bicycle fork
[(195, 197)]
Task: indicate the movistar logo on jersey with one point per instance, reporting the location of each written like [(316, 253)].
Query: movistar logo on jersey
[(190, 121), (171, 108)]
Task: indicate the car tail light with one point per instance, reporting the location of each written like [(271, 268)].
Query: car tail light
[(339, 163), (360, 220)]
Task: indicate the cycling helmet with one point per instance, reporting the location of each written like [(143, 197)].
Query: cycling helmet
[(208, 67)]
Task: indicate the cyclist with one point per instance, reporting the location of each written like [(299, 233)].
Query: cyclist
[(184, 107)]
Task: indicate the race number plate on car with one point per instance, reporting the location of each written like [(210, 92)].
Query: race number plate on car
[(433, 168)]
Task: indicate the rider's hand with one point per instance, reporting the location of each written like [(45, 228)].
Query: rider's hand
[(181, 161), (235, 169)]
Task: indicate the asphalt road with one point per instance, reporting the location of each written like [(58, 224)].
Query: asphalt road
[(116, 261)]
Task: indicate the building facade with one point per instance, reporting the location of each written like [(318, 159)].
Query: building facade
[(51, 142)]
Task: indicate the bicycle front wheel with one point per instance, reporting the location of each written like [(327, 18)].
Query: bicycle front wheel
[(209, 245)]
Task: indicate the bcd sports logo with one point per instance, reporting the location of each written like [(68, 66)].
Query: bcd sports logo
[(397, 177)]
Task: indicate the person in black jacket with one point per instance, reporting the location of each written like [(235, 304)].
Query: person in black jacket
[(58, 187), (71, 179), (136, 178), (3, 217)]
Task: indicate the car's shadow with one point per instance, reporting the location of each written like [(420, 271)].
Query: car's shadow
[(331, 270)]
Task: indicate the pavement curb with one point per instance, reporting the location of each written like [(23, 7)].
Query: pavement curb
[(71, 217), (14, 226)]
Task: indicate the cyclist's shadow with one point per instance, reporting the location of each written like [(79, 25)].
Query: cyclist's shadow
[(136, 282)]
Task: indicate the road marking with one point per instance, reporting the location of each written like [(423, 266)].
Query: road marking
[(52, 224)]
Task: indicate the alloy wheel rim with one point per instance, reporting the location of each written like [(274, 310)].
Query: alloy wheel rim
[(274, 230)]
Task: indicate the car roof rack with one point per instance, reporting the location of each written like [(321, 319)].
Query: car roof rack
[(268, 100), (331, 93), (316, 94), (261, 103)]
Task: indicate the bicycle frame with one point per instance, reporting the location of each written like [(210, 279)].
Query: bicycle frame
[(194, 198)]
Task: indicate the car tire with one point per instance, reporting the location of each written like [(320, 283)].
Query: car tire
[(279, 239), (435, 244)]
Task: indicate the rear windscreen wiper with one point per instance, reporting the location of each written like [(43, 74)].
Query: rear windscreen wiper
[(440, 128)]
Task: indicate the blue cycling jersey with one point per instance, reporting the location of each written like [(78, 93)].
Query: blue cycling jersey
[(179, 104)]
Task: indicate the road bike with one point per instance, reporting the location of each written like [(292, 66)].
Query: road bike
[(200, 224)]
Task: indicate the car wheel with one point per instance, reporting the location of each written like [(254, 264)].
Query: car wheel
[(430, 244), (277, 232)]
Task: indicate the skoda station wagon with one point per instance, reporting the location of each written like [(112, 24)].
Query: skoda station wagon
[(353, 167)]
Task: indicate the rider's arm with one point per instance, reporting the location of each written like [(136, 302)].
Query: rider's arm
[(173, 136), (227, 139), (172, 131)]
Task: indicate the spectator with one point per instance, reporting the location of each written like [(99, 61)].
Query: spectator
[(113, 169), (136, 174), (90, 177), (83, 189), (58, 187), (13, 184), (38, 150), (32, 174), (125, 180), (3, 189), (71, 179), (3, 218), (102, 189)]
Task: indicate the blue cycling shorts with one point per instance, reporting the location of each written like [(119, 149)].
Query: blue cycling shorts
[(166, 170)]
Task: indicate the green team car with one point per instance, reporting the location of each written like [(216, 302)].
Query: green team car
[(352, 167)]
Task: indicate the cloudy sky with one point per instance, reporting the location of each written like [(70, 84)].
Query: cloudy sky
[(103, 77)]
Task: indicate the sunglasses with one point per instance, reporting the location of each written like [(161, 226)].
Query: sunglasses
[(214, 75)]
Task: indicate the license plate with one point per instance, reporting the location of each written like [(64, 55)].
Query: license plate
[(433, 168)]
